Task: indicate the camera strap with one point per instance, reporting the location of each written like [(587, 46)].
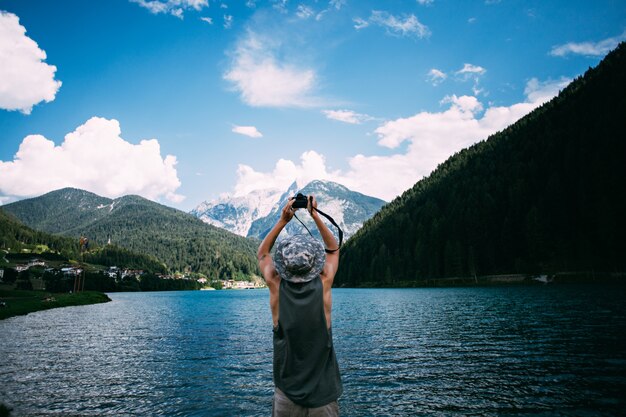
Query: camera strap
[(330, 219), (334, 223)]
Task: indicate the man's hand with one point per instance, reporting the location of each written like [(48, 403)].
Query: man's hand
[(288, 211), (311, 205)]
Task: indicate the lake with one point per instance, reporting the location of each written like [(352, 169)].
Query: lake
[(522, 350)]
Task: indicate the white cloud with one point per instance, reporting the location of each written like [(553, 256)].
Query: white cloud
[(425, 2), (436, 76), (228, 21), (346, 116), (394, 25), (263, 81), (337, 4), (6, 200), (304, 12), (432, 138), (333, 5), (173, 7), (471, 20), (312, 166), (25, 79), (541, 92), (600, 48), (472, 72), (360, 23), (249, 131), (177, 13), (207, 19), (431, 127), (94, 157), (280, 5), (154, 6)]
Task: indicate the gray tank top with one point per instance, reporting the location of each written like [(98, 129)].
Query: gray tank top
[(305, 366)]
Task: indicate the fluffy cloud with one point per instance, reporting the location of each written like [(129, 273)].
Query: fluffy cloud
[(312, 166), (94, 157), (173, 7), (600, 48), (228, 21), (207, 19), (432, 137), (398, 26), (263, 81), (436, 76), (337, 4), (425, 2), (468, 72), (360, 23), (304, 12), (472, 72), (541, 92), (346, 116), (25, 79), (249, 131)]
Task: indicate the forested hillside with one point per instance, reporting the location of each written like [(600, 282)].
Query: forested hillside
[(544, 195), (15, 237), (181, 241)]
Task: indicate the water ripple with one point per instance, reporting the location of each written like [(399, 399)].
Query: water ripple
[(461, 351)]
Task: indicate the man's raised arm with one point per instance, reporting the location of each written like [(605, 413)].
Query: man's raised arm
[(332, 258), (263, 253)]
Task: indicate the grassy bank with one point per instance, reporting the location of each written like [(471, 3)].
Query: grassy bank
[(18, 302)]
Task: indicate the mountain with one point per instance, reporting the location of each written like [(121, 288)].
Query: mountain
[(16, 237), (544, 195), (179, 239), (349, 209), (236, 214), (254, 215)]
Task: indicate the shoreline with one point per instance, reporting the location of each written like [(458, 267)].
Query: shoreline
[(22, 302), (499, 280)]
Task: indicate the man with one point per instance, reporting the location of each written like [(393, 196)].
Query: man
[(300, 278)]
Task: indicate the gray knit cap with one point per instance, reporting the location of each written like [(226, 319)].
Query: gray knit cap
[(299, 258)]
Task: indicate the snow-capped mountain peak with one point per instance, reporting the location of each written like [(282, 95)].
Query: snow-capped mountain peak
[(255, 213), (236, 214)]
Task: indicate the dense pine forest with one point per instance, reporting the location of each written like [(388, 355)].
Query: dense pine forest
[(180, 240), (545, 195), (16, 237)]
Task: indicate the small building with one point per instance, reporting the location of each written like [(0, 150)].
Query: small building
[(71, 271), (36, 262)]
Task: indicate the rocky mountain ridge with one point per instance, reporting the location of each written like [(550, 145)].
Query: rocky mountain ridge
[(254, 215)]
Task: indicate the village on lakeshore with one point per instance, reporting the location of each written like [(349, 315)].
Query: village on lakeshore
[(33, 274)]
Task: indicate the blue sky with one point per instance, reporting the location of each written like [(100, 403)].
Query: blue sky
[(183, 100)]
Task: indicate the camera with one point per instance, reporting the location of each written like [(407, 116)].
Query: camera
[(301, 201)]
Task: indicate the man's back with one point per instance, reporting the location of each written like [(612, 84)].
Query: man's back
[(300, 279), (305, 365)]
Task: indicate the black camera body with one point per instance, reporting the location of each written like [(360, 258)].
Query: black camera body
[(301, 201)]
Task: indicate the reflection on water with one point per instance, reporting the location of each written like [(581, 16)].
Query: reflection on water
[(480, 351)]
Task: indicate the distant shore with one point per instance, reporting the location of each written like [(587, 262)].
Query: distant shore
[(20, 302), (497, 280)]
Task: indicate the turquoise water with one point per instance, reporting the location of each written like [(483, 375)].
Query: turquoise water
[(541, 350)]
